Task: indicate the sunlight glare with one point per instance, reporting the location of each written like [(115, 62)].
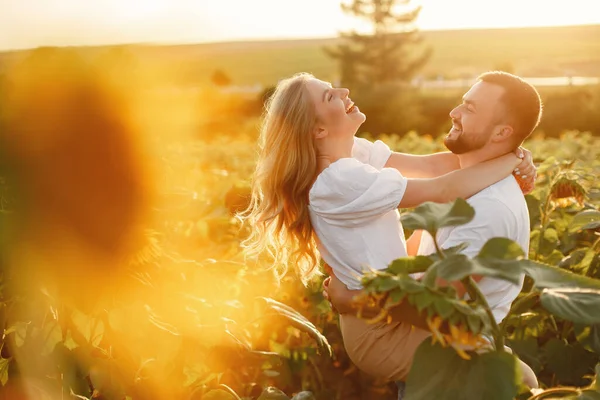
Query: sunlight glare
[(140, 9)]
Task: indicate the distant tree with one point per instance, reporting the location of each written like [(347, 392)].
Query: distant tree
[(383, 55), (220, 78), (349, 60)]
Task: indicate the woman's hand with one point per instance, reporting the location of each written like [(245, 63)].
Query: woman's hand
[(525, 172)]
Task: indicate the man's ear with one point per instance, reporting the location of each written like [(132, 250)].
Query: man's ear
[(502, 134)]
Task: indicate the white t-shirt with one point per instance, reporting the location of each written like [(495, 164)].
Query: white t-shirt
[(500, 211), (353, 208)]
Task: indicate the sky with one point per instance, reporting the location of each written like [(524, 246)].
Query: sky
[(33, 23)]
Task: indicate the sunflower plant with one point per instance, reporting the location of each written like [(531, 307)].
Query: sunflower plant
[(467, 358)]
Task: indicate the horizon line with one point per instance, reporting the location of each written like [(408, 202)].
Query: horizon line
[(273, 39)]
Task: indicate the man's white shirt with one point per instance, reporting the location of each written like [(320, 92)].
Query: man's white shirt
[(500, 211)]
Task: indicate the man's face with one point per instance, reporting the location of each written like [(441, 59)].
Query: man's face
[(474, 121)]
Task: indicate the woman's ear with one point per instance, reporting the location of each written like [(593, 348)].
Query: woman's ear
[(320, 133)]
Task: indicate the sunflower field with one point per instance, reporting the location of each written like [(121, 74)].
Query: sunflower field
[(122, 274)]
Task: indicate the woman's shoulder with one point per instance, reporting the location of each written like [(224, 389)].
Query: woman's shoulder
[(342, 172), (345, 180), (374, 153)]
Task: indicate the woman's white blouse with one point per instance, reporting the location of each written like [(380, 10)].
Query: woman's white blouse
[(353, 207)]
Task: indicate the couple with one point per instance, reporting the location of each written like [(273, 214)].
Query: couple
[(319, 191)]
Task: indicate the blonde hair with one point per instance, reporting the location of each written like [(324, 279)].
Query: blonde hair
[(285, 171)]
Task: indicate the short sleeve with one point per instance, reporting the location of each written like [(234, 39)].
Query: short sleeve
[(375, 153), (350, 193)]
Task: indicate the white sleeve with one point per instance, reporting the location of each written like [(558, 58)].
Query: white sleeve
[(375, 154), (351, 193), (494, 219)]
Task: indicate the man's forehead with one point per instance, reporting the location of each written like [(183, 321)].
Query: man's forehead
[(484, 91)]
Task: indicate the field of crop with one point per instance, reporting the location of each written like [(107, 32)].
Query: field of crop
[(572, 50), (456, 54), (122, 275), (196, 321)]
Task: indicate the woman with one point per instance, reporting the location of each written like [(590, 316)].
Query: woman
[(319, 191)]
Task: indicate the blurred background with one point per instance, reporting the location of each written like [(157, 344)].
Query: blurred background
[(233, 52), (127, 142)]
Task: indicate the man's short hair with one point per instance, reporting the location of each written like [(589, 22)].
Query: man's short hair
[(522, 101)]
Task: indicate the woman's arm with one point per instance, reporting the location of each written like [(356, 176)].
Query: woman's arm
[(423, 166), (438, 164), (461, 183)]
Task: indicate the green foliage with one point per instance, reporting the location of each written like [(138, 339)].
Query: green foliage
[(427, 297), (439, 373), (577, 305), (433, 216), (587, 219)]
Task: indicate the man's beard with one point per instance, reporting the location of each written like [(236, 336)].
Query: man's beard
[(465, 142)]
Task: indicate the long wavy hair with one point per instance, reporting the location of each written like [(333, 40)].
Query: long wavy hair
[(285, 171)]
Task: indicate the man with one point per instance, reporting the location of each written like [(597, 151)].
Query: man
[(497, 114)]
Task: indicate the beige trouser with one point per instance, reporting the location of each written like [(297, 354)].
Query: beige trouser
[(381, 350), (386, 351)]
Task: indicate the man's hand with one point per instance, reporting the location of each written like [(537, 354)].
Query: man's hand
[(525, 172), (342, 299)]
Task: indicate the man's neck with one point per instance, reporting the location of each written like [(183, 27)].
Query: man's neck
[(469, 159), (476, 157)]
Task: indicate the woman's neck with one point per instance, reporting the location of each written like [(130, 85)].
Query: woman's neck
[(330, 152)]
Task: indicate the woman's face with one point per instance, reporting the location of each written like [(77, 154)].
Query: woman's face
[(337, 114)]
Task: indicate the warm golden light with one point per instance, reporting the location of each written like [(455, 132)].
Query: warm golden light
[(124, 170), (112, 21), (124, 264)]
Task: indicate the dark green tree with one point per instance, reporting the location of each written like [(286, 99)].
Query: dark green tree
[(386, 54)]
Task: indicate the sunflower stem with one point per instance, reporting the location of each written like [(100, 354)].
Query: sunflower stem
[(438, 249), (477, 296), (544, 223)]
